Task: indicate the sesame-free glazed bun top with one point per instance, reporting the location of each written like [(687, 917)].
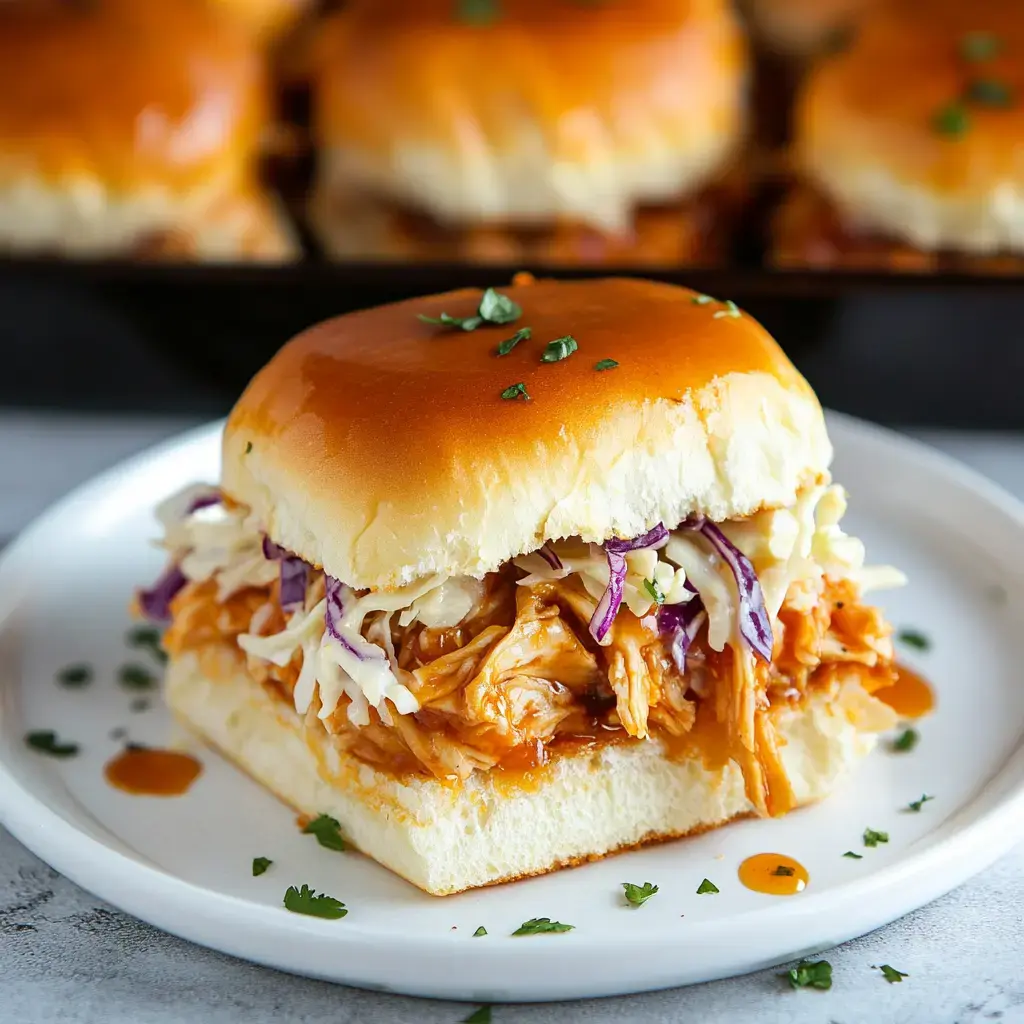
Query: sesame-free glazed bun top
[(917, 130), (381, 448), (132, 93), (551, 108)]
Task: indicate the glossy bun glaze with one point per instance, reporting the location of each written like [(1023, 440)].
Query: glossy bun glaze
[(552, 109), (916, 130), (380, 447), (120, 118)]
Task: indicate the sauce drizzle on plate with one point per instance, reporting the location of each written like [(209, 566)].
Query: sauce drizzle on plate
[(150, 771), (911, 696), (774, 874)]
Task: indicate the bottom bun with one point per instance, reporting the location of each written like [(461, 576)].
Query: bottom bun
[(496, 826)]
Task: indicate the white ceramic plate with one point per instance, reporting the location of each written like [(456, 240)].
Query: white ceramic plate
[(184, 864)]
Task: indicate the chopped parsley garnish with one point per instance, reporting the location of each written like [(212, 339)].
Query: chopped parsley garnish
[(477, 12), (542, 926), (135, 677), (891, 975), (853, 856), (914, 638), (977, 47), (783, 871), (652, 588), (523, 334), (306, 901), (327, 831), (990, 92), (560, 348), (916, 805), (147, 638), (75, 675), (702, 300), (731, 310), (138, 705), (46, 742), (481, 1015), (467, 323), (951, 120), (514, 391), (810, 974), (638, 895), (906, 741), (494, 308), (873, 838), (248, 447), (605, 364), (480, 931), (706, 887), (260, 865)]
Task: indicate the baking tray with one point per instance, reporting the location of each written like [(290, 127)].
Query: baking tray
[(938, 350)]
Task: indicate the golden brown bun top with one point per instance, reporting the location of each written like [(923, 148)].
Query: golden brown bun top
[(411, 67), (380, 446), (908, 62), (130, 91)]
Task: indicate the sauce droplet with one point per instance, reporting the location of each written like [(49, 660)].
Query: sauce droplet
[(774, 874), (149, 771), (911, 696)]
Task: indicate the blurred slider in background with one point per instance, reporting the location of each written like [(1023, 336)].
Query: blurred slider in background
[(133, 128), (537, 131), (909, 145)]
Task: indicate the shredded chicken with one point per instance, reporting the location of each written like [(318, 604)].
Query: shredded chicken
[(521, 673)]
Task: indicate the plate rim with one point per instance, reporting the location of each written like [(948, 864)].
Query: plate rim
[(151, 893)]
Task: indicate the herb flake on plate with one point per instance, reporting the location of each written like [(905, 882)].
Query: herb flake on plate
[(327, 831), (481, 1015), (542, 926), (75, 675), (638, 895), (914, 638), (479, 932), (306, 901), (906, 741), (873, 838), (891, 975), (46, 742), (810, 974), (916, 805), (605, 364), (135, 677), (260, 865), (707, 887), (853, 856)]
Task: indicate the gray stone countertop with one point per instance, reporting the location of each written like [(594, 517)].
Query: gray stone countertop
[(65, 956)]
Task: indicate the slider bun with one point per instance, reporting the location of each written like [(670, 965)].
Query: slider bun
[(555, 109), (379, 448), (446, 839), (122, 121), (866, 134)]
